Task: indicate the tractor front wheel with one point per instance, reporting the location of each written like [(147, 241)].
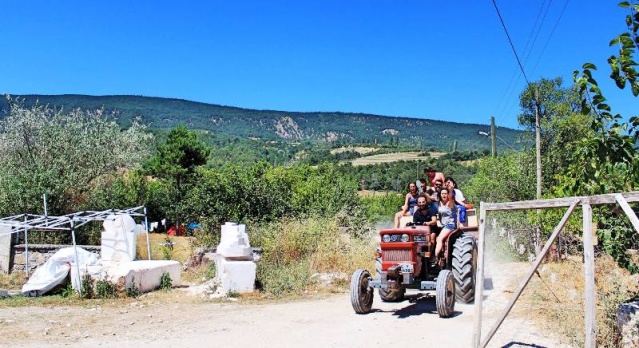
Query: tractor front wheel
[(361, 293), (445, 298), (388, 295)]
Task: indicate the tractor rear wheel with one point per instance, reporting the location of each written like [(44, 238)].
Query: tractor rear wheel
[(361, 293), (388, 295), (464, 268), (445, 298)]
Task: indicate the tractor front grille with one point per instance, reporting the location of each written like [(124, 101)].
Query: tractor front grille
[(396, 255)]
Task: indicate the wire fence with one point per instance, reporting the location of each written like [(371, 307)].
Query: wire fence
[(552, 304)]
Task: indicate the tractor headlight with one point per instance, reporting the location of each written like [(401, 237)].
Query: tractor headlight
[(386, 238), (394, 238), (405, 238)]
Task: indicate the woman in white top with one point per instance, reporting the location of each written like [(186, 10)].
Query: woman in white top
[(457, 194)]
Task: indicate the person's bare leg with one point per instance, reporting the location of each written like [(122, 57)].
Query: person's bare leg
[(440, 241)]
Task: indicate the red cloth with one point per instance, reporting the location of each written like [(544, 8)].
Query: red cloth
[(172, 231)]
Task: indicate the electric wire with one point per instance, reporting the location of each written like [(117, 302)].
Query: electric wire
[(512, 46), (551, 34), (509, 90), (510, 41), (538, 31)]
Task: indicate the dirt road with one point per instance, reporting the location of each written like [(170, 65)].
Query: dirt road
[(323, 322)]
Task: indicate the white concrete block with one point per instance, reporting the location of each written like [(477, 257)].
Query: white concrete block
[(234, 242), (232, 275), (5, 249), (144, 274), (119, 239)]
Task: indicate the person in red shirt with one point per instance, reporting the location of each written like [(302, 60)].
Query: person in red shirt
[(434, 175)]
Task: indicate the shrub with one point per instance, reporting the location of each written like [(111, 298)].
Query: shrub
[(105, 289), (166, 281), (87, 286), (295, 249), (132, 290)]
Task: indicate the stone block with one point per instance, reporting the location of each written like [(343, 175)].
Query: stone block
[(145, 275), (5, 249), (628, 323), (119, 238), (234, 242), (234, 275)]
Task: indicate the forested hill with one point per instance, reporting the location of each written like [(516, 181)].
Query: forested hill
[(359, 128)]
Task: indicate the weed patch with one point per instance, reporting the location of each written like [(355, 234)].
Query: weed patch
[(132, 290), (105, 289), (557, 303), (166, 282), (294, 250)]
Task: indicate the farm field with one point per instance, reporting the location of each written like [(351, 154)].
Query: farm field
[(359, 149), (394, 157)]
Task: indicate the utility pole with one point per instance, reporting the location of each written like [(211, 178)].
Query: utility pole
[(538, 241), (493, 137), (538, 142)]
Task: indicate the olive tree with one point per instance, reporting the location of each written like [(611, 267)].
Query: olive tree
[(62, 154)]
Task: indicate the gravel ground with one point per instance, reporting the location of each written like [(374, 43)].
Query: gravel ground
[(180, 320)]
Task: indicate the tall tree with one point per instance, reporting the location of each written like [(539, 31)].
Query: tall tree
[(608, 162), (561, 124), (176, 160), (62, 154)]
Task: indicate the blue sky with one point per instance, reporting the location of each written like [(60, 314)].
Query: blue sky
[(433, 59)]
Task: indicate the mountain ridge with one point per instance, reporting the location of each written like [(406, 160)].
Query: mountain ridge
[(314, 126)]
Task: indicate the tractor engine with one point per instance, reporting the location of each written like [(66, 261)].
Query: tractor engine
[(399, 260)]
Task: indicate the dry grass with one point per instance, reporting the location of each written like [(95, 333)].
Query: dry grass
[(370, 193), (394, 157), (555, 299), (359, 149), (181, 249), (13, 281)]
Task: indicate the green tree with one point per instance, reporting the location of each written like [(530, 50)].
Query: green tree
[(63, 155), (554, 101), (562, 124), (175, 162), (608, 161), (509, 177)]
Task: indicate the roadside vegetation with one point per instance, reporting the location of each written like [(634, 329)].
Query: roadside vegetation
[(586, 149)]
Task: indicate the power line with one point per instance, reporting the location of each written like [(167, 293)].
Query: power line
[(538, 31), (511, 90), (551, 33), (511, 42), (535, 28)]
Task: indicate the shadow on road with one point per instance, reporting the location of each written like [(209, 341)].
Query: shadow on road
[(520, 344), (417, 304)]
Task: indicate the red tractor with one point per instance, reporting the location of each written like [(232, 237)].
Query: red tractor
[(403, 261)]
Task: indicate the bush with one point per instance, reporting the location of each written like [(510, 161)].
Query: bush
[(38, 143), (294, 250), (166, 283), (380, 207), (105, 289)]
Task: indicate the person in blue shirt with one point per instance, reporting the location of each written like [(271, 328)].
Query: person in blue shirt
[(426, 213), (410, 204)]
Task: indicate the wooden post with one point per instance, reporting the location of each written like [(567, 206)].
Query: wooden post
[(589, 278), (626, 208), (493, 136), (538, 141), (532, 270), (479, 277)]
